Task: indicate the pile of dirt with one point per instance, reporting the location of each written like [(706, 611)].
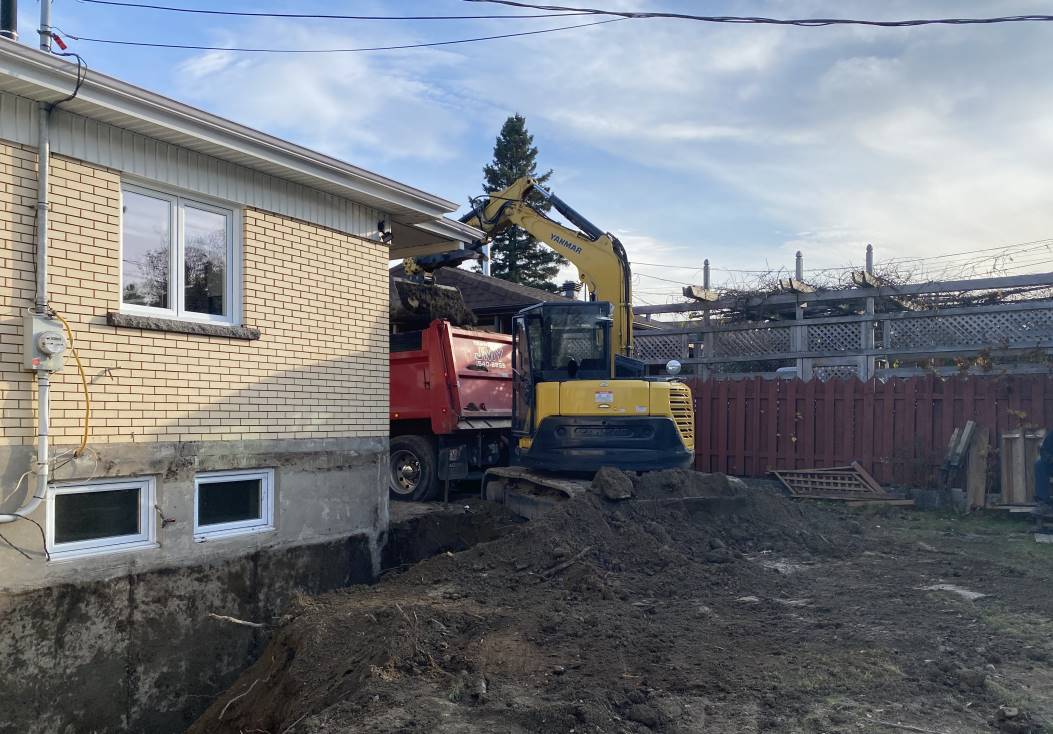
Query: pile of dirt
[(415, 305), (693, 604)]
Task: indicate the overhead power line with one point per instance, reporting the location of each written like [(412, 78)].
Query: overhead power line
[(322, 16), (1008, 250), (804, 22), (262, 50)]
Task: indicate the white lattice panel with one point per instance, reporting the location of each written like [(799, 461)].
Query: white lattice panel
[(834, 338), (658, 347), (1001, 329), (832, 371), (752, 341)]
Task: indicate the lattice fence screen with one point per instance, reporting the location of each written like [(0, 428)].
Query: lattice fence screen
[(1001, 329), (834, 338), (753, 341), (832, 371), (658, 347)]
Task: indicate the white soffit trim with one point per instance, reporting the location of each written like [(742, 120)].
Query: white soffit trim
[(436, 236)]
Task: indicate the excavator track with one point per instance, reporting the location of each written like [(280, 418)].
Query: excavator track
[(527, 492)]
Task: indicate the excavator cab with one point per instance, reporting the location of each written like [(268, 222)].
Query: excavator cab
[(571, 414)]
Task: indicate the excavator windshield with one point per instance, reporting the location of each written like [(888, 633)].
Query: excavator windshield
[(579, 340), (566, 341)]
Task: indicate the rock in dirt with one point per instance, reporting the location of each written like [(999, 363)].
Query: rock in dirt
[(672, 483), (719, 555), (964, 593), (972, 678), (612, 484), (641, 713)]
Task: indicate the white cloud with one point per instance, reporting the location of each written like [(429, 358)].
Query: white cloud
[(361, 107), (930, 140), (922, 141)]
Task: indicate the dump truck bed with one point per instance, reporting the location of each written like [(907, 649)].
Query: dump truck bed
[(456, 379)]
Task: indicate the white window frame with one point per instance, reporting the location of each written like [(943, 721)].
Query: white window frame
[(178, 203), (146, 538), (262, 524)]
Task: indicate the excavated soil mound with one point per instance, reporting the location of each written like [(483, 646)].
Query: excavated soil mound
[(548, 628), (691, 604)]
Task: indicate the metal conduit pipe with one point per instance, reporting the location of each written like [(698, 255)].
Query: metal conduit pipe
[(40, 299), (43, 429)]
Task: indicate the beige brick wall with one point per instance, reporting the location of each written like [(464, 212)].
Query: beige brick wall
[(319, 298)]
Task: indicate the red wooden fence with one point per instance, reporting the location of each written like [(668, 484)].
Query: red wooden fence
[(897, 429)]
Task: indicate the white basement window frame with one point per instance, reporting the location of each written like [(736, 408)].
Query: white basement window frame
[(179, 205), (262, 521), (144, 536)]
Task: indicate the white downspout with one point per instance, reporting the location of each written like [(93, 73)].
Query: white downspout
[(40, 299)]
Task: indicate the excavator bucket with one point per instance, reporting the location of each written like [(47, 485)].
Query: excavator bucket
[(414, 305)]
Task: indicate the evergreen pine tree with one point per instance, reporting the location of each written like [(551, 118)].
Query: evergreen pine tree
[(515, 254)]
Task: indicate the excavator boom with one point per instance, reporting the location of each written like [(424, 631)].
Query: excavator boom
[(599, 256)]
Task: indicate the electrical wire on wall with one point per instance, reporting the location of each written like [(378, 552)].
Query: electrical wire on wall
[(83, 381)]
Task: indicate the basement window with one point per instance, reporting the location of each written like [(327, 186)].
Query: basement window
[(100, 517), (232, 503), (178, 257)]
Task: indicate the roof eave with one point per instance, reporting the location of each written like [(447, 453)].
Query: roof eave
[(46, 78)]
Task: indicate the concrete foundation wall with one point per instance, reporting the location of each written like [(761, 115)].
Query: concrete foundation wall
[(325, 489), (139, 653), (123, 642)]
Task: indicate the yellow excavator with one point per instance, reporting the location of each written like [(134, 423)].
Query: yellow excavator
[(580, 399)]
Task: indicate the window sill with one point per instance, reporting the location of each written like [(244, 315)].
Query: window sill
[(178, 326), (62, 556), (211, 535)]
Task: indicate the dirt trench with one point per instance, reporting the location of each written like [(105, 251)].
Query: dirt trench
[(698, 605)]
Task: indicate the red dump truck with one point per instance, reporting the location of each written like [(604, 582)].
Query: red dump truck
[(450, 388)]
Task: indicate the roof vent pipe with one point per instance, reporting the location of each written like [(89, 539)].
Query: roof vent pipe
[(570, 289)]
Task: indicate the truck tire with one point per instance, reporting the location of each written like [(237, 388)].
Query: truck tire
[(412, 469)]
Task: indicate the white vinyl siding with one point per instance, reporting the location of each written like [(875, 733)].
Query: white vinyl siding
[(199, 174)]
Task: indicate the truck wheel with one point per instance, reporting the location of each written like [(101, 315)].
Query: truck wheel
[(413, 471)]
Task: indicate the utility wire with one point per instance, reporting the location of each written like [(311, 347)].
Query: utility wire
[(665, 280), (194, 47), (1014, 249), (324, 16), (16, 549), (803, 22)]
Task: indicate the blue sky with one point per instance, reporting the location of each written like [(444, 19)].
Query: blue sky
[(737, 143)]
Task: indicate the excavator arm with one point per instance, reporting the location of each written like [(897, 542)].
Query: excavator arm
[(599, 256)]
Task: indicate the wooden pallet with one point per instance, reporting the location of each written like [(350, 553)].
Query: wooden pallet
[(850, 482)]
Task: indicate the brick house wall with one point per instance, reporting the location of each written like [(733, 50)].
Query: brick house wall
[(318, 297), (123, 641)]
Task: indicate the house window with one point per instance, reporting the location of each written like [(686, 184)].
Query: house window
[(233, 502), (178, 256), (100, 517)]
